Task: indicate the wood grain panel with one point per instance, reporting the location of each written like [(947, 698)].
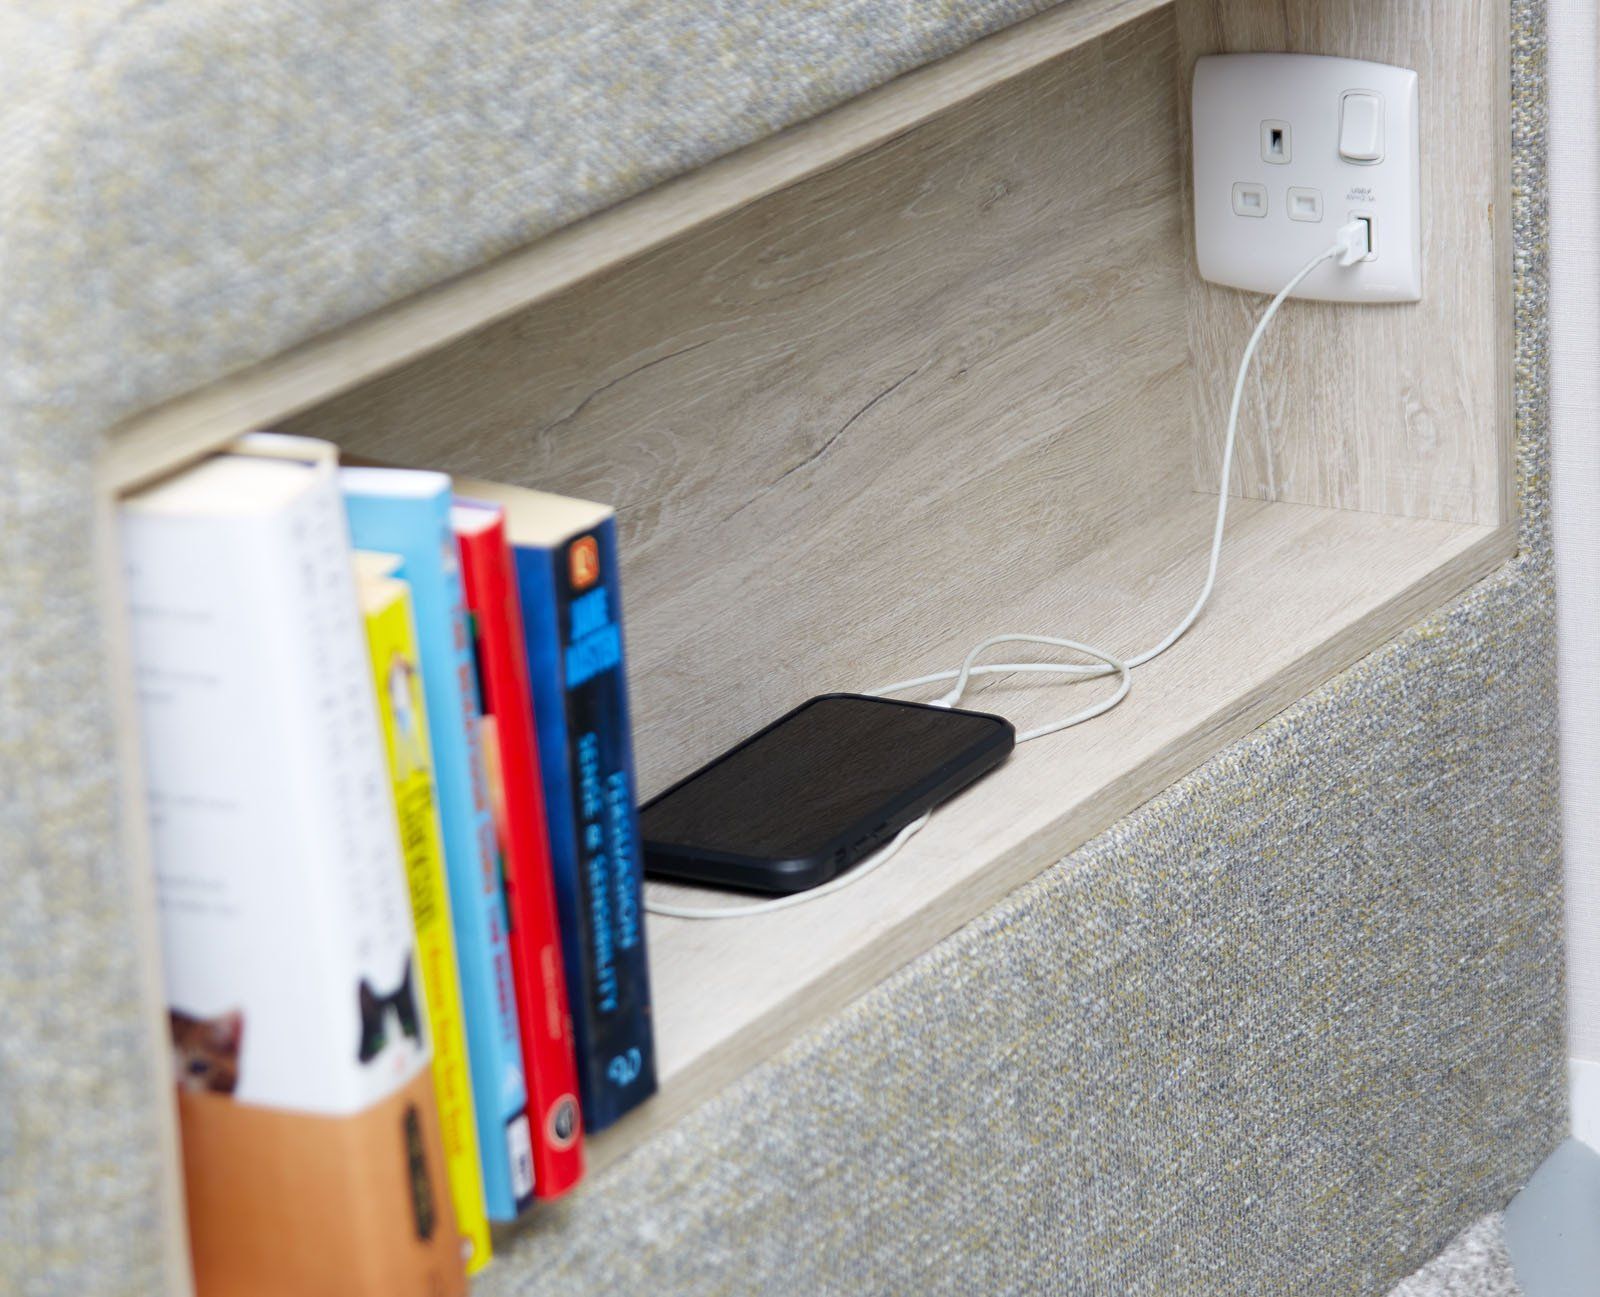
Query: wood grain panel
[(140, 899), (1399, 409), (898, 396)]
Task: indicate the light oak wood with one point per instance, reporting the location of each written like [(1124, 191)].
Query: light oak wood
[(1400, 409), (153, 442), (907, 390), (1304, 591), (140, 895)]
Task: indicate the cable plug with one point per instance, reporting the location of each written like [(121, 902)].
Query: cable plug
[(1354, 242)]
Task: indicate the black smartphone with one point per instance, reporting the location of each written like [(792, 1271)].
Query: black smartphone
[(819, 789)]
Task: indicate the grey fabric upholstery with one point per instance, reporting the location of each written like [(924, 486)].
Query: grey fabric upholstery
[(1285, 1030)]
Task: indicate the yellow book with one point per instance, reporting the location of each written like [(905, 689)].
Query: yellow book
[(391, 641)]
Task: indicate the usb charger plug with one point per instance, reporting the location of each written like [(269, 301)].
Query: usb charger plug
[(1354, 240)]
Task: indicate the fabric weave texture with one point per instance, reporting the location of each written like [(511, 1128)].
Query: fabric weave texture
[(1285, 1030)]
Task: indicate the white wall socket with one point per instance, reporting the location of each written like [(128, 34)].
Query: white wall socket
[(1289, 147)]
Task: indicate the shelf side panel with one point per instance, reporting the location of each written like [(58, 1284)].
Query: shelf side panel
[(1401, 409)]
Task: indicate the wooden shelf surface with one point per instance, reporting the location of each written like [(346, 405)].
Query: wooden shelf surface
[(1303, 592)]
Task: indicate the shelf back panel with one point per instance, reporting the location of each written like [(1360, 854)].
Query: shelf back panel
[(1401, 409), (932, 376)]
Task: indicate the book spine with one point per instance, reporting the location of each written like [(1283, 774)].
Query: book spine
[(397, 681), (419, 530), (571, 596), (535, 945)]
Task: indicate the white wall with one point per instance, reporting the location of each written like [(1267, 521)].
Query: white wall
[(1575, 432)]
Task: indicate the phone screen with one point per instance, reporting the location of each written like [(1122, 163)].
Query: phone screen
[(820, 772)]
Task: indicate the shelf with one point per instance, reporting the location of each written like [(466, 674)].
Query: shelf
[(933, 366), (1303, 591)]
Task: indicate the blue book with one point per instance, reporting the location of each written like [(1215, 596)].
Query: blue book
[(565, 552), (397, 511)]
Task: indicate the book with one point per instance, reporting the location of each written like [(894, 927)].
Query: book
[(397, 685), (398, 511), (565, 553), (530, 896), (311, 1145)]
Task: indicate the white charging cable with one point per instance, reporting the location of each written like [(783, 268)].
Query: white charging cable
[(1350, 246)]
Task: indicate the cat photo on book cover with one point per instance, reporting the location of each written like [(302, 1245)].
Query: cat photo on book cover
[(375, 1008), (205, 1051)]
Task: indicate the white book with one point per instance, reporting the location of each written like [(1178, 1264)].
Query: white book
[(286, 928)]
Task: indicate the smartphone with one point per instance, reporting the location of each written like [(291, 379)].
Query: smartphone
[(818, 790)]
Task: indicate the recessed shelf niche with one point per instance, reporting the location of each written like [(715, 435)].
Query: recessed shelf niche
[(937, 365)]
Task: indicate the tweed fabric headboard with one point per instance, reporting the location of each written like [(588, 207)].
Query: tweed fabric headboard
[(1284, 1030)]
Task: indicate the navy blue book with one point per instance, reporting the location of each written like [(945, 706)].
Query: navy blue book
[(566, 569)]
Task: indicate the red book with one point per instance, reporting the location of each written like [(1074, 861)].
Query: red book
[(513, 753)]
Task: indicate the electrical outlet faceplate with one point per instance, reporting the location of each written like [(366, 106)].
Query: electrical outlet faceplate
[(1289, 147)]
